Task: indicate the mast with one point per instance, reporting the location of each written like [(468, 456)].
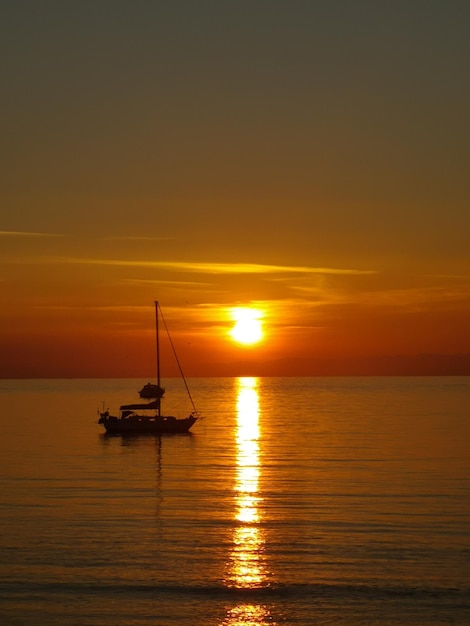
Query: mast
[(158, 351)]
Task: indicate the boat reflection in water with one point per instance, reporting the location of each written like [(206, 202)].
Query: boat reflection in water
[(247, 567)]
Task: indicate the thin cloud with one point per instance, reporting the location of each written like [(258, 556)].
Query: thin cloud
[(212, 268), (134, 238), (464, 277), (172, 283), (93, 309), (17, 233)]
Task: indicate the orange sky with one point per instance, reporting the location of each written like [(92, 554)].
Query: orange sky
[(309, 161)]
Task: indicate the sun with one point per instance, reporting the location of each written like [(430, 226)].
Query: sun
[(248, 328)]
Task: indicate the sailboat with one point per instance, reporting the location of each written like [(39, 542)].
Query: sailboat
[(147, 418)]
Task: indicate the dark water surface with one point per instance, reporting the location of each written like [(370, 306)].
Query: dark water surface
[(295, 501)]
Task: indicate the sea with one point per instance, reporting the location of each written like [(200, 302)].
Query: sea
[(293, 501)]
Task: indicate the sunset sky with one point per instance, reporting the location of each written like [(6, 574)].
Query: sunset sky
[(309, 160)]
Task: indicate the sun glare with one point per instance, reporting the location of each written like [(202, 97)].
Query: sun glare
[(248, 328)]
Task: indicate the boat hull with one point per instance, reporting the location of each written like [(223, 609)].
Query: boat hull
[(137, 425)]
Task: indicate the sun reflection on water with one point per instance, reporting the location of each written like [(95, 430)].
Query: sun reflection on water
[(247, 568), (248, 615)]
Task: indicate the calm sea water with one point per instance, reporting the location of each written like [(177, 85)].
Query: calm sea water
[(295, 501)]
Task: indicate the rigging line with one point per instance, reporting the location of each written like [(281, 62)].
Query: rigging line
[(177, 360)]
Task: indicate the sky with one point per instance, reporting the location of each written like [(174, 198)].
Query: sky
[(305, 160)]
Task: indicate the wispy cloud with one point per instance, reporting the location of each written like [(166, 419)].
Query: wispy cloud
[(17, 233), (135, 238), (170, 283), (211, 268)]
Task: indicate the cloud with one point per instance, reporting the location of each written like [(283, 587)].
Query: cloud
[(17, 233), (171, 283), (211, 268), (135, 238)]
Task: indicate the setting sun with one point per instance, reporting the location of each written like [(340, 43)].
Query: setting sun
[(248, 328)]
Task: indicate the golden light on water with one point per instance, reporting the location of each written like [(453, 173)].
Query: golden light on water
[(247, 560), (247, 541), (247, 615), (247, 451)]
